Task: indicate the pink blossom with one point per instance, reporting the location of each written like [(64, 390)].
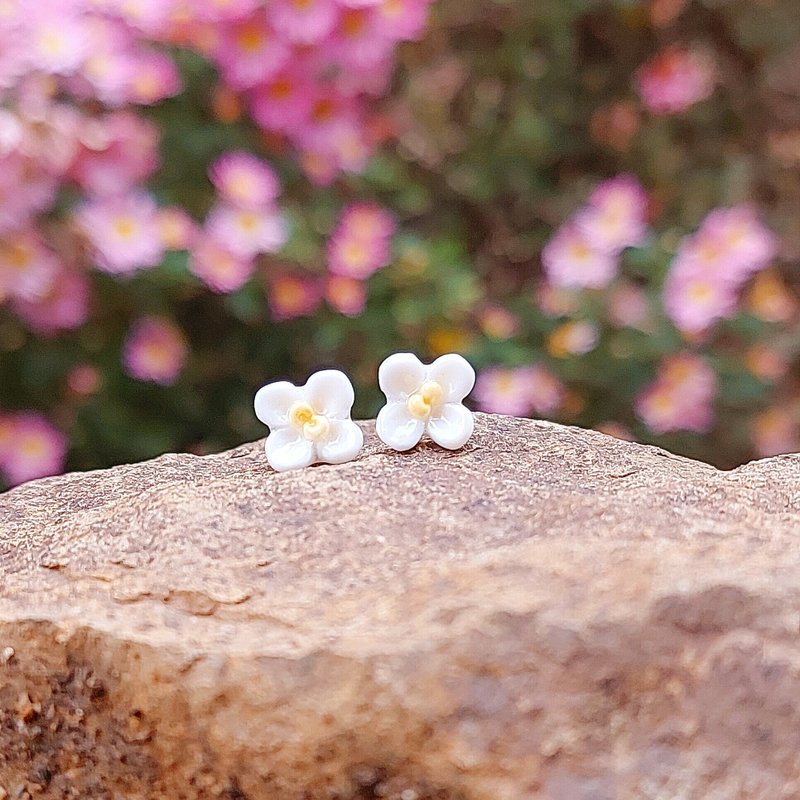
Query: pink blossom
[(246, 232), (359, 39), (616, 216), (155, 350), (570, 260), (361, 243), (402, 19), (354, 257), (695, 300), (27, 266), (107, 71), (675, 79), (573, 338), (348, 296), (117, 152), (629, 307), (222, 10), (30, 447), (64, 305), (154, 77), (244, 180), (680, 398), (177, 229), (711, 265), (56, 39), (84, 380), (220, 269), (367, 221), (284, 102), (303, 21), (123, 232), (292, 296), (518, 391), (748, 246), (250, 52)]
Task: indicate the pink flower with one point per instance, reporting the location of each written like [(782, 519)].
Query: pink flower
[(220, 269), (518, 391), (118, 151), (402, 19), (680, 398), (573, 338), (674, 80), (303, 21), (30, 447), (154, 77), (27, 266), (695, 300), (291, 296), (250, 52), (571, 260), (359, 40), (367, 221), (123, 232), (64, 305), (107, 71), (629, 307), (155, 350), (616, 216), (353, 257), (361, 243), (711, 266), (245, 232), (748, 245), (244, 180), (56, 39), (222, 10), (284, 102), (348, 296), (176, 228)]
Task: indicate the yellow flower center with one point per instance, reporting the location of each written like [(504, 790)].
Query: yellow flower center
[(421, 403), (125, 227), (313, 426)]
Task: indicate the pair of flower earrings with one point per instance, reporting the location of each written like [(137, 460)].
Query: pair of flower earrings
[(311, 424)]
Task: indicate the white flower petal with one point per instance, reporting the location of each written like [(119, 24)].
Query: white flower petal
[(401, 375), (286, 449), (273, 402), (454, 374), (342, 444), (396, 427), (452, 426), (330, 393)]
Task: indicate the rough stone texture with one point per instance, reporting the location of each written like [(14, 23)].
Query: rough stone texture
[(550, 613)]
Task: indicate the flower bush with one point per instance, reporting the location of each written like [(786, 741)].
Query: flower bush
[(595, 202)]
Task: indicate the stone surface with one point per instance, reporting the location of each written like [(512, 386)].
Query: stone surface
[(550, 613)]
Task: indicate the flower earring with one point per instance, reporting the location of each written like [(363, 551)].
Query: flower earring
[(425, 398), (309, 424)]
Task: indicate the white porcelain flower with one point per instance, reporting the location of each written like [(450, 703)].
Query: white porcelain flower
[(425, 398), (309, 424)]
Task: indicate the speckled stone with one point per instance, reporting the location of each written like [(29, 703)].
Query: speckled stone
[(548, 613)]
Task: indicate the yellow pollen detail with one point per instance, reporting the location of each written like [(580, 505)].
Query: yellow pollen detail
[(251, 39), (313, 426), (125, 227), (421, 403)]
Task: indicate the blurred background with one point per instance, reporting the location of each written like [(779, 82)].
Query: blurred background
[(597, 203)]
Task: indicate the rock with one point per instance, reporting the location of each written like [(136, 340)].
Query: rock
[(550, 613)]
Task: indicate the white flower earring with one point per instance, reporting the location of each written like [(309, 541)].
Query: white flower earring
[(425, 398), (309, 424)]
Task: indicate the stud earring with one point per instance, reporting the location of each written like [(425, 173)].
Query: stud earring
[(309, 424), (425, 398)]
